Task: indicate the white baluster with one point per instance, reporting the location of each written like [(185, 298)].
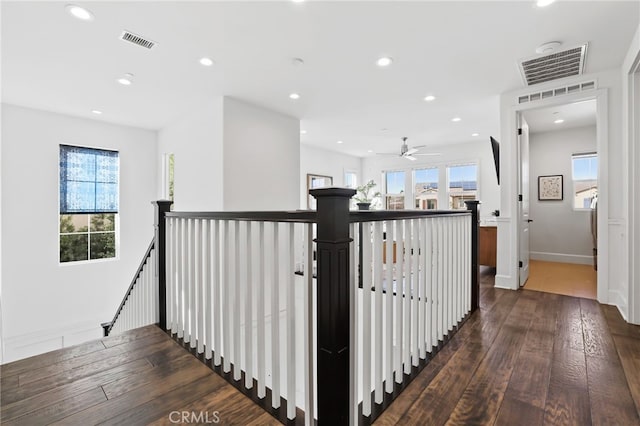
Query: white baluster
[(217, 295), (291, 322), (199, 286), (180, 271), (261, 318), (308, 325), (410, 293), (399, 297), (192, 285), (428, 282), (248, 311), (367, 322), (422, 300), (275, 320), (226, 319), (208, 290), (237, 297), (388, 309), (377, 277)]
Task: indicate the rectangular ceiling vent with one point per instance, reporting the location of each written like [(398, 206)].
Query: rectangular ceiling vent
[(558, 91), (136, 39), (565, 63)]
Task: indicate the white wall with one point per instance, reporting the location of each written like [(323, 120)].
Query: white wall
[(261, 158), (196, 142), (47, 305), (477, 152), (327, 163), (558, 232)]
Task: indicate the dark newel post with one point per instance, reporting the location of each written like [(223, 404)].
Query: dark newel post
[(160, 227), (474, 206), (333, 304)]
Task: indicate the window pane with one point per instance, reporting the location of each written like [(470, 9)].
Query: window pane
[(426, 190), (103, 222), (395, 182), (395, 202), (74, 223), (73, 247), (103, 246), (463, 185), (350, 180), (585, 180)]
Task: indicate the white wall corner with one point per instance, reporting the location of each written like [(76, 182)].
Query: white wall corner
[(506, 282), (618, 299)]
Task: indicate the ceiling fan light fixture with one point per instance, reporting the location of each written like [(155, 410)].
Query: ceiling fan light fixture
[(384, 61), (456, 119), (429, 98), (79, 12)]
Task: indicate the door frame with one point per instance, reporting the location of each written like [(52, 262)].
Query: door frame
[(602, 144)]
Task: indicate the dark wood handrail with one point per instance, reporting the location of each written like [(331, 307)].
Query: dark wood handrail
[(109, 325), (380, 215)]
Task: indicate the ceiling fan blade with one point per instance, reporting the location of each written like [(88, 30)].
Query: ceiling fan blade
[(386, 153), (419, 146), (410, 157), (430, 153), (411, 151)]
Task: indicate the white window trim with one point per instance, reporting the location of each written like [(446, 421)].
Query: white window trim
[(344, 177)]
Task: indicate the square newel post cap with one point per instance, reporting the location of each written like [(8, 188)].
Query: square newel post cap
[(333, 192)]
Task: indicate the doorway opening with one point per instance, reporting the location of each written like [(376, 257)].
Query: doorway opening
[(558, 156)]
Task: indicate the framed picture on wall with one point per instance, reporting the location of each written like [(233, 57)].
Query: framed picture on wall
[(313, 182), (550, 188)]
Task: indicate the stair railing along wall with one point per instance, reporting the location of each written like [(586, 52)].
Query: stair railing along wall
[(374, 296)]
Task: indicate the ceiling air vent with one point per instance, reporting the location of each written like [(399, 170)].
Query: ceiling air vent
[(565, 63), (136, 39)]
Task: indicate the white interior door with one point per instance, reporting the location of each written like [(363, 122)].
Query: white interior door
[(523, 204)]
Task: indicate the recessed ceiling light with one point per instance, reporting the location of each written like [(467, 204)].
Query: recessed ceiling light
[(548, 47), (456, 119), (385, 61), (79, 12), (124, 81), (429, 98), (297, 1), (475, 134), (339, 142), (543, 3), (303, 132), (207, 62), (370, 150), (96, 112), (294, 96), (559, 121)]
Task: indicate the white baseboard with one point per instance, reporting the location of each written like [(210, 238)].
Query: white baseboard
[(617, 299), (505, 282), (30, 344), (561, 258)]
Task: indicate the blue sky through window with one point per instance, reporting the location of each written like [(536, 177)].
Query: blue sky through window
[(427, 176), (585, 167), (395, 182), (463, 173)]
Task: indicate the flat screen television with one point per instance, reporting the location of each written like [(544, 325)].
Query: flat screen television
[(495, 147)]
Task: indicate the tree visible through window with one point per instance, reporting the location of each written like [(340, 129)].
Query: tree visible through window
[(88, 203)]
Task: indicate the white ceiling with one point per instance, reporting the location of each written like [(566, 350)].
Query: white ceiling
[(579, 114), (465, 53)]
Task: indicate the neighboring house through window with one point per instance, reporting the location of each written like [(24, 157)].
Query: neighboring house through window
[(394, 190), (584, 169), (463, 185), (426, 188), (89, 193)]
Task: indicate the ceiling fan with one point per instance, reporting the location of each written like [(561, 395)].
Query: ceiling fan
[(410, 153)]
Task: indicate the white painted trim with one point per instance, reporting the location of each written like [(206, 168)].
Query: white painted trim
[(504, 281), (602, 132), (617, 299), (26, 345), (562, 258)]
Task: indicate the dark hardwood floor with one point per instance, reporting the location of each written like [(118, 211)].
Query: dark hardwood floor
[(525, 358), (529, 358)]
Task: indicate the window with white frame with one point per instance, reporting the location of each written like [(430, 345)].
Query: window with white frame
[(426, 188), (350, 179), (462, 185), (584, 169), (89, 193), (394, 190)]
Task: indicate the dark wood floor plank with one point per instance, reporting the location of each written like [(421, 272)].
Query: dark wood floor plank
[(90, 358), (155, 375), (611, 401), (629, 353), (597, 340), (195, 370), (568, 396), (541, 334), (173, 400), (132, 335), (77, 387), (530, 379), (483, 396), (49, 358), (61, 409), (617, 324), (226, 403), (516, 412), (568, 325), (85, 370)]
